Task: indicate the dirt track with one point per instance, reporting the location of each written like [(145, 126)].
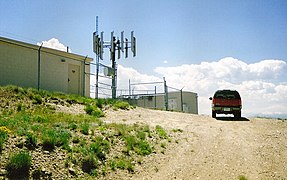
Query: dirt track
[(212, 148)]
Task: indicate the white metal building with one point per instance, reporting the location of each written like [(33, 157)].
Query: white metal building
[(29, 65), (177, 101)]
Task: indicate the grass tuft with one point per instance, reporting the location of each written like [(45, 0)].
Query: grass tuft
[(161, 132), (100, 148), (3, 137), (85, 127), (94, 111), (89, 163), (121, 105), (241, 177), (31, 141), (122, 163), (19, 165), (49, 138)]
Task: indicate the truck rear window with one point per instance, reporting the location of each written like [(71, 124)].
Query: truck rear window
[(227, 95)]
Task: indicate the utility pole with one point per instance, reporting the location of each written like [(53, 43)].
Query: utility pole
[(166, 94), (97, 65), (113, 59), (39, 66)]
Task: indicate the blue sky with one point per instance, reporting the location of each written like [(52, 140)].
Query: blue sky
[(170, 33), (176, 31)]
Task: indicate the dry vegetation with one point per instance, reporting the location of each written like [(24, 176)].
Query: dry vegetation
[(54, 135), (47, 135)]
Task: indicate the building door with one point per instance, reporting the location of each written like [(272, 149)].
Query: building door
[(74, 79)]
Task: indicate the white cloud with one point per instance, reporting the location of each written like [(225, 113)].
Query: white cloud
[(54, 44), (165, 62), (126, 74), (258, 83), (262, 85)]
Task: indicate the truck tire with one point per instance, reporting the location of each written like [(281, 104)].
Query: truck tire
[(213, 114), (237, 115)]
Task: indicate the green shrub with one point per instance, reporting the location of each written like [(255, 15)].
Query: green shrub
[(94, 111), (49, 138), (2, 141), (113, 165), (41, 119), (100, 147), (143, 148), (122, 163), (3, 137), (89, 163), (37, 99), (241, 177), (55, 137), (140, 146), (20, 107), (76, 140), (131, 142), (89, 109), (36, 127), (120, 129), (63, 139), (100, 103), (122, 105), (73, 126), (31, 141), (19, 165), (85, 128), (141, 135), (98, 113), (161, 132)]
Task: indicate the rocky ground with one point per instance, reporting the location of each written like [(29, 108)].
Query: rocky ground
[(207, 148), (212, 148)]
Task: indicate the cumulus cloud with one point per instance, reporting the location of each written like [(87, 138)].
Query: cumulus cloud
[(54, 44), (260, 84), (125, 74)]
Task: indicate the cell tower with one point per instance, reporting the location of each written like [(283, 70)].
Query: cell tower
[(120, 46)]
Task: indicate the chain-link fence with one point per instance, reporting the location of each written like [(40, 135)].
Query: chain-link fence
[(157, 95), (154, 95)]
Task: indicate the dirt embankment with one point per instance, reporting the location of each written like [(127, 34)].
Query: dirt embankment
[(211, 148)]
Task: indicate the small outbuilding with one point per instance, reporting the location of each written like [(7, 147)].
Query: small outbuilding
[(29, 65), (181, 101)]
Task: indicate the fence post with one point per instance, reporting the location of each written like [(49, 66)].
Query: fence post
[(84, 76), (154, 97), (39, 66), (166, 94), (181, 100)]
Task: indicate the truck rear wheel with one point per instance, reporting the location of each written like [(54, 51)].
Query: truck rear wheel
[(213, 114), (237, 115)]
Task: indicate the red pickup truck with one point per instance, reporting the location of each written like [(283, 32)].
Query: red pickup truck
[(226, 102)]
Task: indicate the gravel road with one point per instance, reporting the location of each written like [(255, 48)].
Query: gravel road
[(211, 148)]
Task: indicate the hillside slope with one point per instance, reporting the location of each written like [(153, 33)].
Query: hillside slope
[(134, 143), (211, 148), (45, 135)]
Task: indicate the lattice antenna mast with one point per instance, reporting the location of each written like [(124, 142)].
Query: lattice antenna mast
[(97, 63), (113, 45)]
